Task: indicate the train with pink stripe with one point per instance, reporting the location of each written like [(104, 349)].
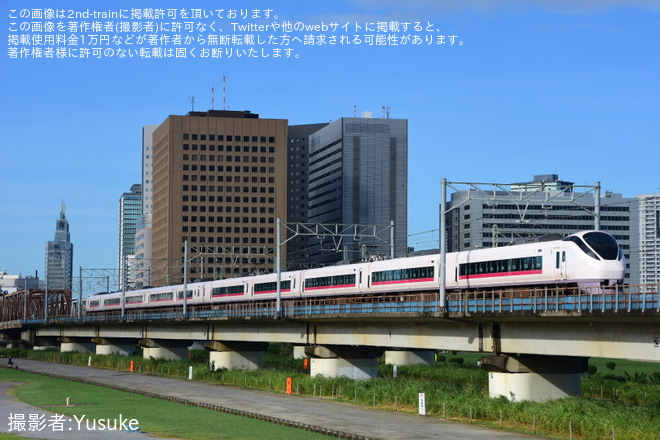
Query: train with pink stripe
[(588, 260)]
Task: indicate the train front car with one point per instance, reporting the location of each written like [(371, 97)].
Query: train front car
[(597, 260)]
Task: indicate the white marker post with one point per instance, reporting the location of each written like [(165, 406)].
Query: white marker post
[(422, 404)]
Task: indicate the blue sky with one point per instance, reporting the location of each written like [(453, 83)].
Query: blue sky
[(529, 87)]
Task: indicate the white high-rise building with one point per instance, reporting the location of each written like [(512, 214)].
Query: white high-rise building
[(130, 210), (649, 239)]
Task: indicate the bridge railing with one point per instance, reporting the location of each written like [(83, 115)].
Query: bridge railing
[(620, 299)]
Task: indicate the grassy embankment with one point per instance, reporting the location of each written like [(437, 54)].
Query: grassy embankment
[(620, 400), (154, 416)]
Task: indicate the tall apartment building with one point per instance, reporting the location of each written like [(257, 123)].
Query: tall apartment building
[(59, 256), (544, 206), (219, 184), (142, 261), (130, 210), (358, 174), (649, 240)]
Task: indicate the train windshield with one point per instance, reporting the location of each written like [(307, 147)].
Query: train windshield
[(597, 244)]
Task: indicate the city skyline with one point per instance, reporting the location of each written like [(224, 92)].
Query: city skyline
[(549, 87)]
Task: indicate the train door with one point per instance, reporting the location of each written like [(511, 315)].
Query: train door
[(559, 261)]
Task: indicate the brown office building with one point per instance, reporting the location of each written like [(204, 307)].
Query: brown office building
[(219, 183)]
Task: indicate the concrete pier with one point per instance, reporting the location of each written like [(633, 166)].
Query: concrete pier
[(164, 349), (347, 361), (534, 377), (409, 357), (114, 346), (79, 345), (236, 355)]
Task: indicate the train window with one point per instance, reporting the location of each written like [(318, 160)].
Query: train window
[(111, 301), (582, 245), (604, 245), (189, 294), (272, 286), (413, 273), (335, 280), (94, 303), (229, 290), (501, 266), (162, 296), (134, 299)]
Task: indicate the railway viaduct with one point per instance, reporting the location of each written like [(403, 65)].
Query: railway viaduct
[(538, 345)]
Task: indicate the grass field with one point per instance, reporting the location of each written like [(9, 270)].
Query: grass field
[(618, 396), (158, 417)]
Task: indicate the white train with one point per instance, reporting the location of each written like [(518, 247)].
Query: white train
[(585, 259)]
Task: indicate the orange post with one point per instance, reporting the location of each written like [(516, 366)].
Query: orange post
[(289, 385), (306, 363), (132, 367)]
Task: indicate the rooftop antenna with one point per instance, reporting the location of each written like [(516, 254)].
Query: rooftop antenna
[(192, 103), (386, 112), (212, 96), (355, 111)]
